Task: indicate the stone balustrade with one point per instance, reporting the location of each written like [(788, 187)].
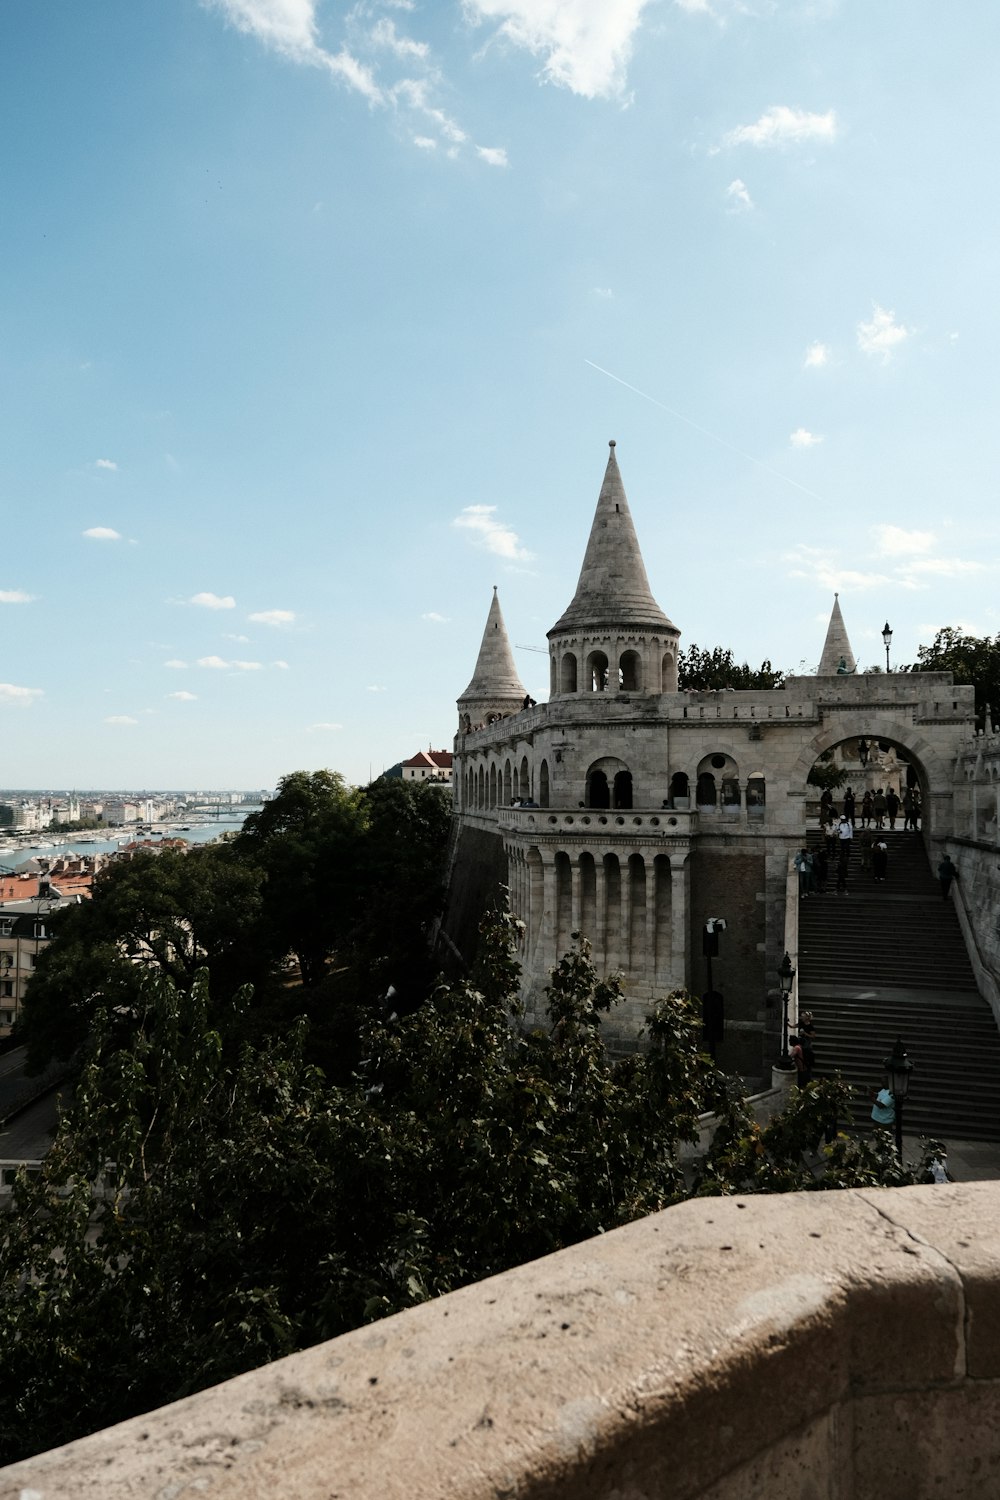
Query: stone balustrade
[(843, 1344)]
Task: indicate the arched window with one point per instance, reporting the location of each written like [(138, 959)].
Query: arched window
[(598, 791), (524, 790), (668, 673), (597, 671), (756, 788), (706, 793), (481, 799), (680, 789), (623, 789), (507, 793), (567, 673), (493, 786), (630, 672), (552, 674), (543, 784)]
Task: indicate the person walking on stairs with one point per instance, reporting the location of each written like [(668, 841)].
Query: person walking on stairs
[(892, 806), (946, 873), (880, 860), (880, 808), (844, 835)]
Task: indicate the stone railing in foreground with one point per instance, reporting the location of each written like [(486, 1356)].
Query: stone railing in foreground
[(839, 1344)]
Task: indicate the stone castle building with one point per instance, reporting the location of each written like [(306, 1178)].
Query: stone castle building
[(632, 812)]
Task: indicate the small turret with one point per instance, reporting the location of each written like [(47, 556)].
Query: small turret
[(837, 658), (613, 637), (495, 689)]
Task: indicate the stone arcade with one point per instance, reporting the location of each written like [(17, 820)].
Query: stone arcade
[(631, 812)]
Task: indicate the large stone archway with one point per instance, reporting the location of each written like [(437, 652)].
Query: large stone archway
[(933, 773)]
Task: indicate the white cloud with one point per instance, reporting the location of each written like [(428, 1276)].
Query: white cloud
[(586, 44), (273, 617), (15, 596), (435, 618), (416, 93), (894, 541), (103, 534), (219, 664), (282, 666), (229, 635), (910, 572), (604, 292), (384, 34), (816, 356), (289, 27), (425, 142), (22, 697), (694, 7), (739, 197), (782, 126), (800, 438), (105, 463), (120, 719), (182, 697), (373, 687), (944, 567), (313, 727), (493, 156), (883, 335), (824, 569), (175, 665), (491, 534), (213, 601)]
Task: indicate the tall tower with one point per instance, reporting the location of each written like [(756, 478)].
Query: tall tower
[(837, 658), (614, 637), (495, 690)]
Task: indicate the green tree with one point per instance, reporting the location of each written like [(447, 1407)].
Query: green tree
[(306, 839), (971, 659), (171, 911), (254, 1209), (701, 670)]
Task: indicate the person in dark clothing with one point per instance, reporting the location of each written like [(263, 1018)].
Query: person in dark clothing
[(891, 806), (880, 860), (946, 873), (849, 806)]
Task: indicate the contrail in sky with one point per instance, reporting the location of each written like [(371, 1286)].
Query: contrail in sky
[(776, 473)]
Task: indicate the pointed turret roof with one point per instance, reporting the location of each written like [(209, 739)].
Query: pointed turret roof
[(495, 675), (613, 587), (836, 646)]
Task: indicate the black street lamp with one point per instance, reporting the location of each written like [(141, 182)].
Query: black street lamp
[(786, 976), (887, 642), (898, 1068)]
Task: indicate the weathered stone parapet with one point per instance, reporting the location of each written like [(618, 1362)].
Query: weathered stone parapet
[(836, 1344)]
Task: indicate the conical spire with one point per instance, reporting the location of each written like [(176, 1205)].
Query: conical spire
[(495, 677), (837, 647), (613, 588)]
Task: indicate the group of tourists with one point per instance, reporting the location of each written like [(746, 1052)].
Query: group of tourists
[(878, 808)]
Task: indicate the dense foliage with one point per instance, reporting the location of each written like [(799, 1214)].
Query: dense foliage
[(970, 658), (338, 883), (253, 1208), (701, 670)]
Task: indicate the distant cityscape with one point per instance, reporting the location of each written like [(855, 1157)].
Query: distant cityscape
[(25, 810)]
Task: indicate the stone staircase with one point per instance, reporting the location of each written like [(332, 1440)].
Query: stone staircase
[(887, 960)]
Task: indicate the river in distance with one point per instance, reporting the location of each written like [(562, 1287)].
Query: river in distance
[(50, 845)]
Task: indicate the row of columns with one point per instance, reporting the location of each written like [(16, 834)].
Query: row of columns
[(631, 905)]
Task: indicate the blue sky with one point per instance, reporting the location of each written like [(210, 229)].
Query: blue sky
[(315, 320)]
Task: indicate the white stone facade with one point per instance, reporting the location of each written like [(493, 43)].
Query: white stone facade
[(631, 812)]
